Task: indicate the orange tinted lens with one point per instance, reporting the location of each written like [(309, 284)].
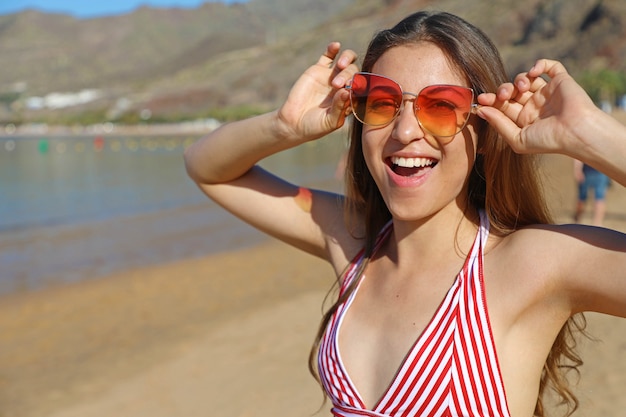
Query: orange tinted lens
[(443, 110), (375, 99)]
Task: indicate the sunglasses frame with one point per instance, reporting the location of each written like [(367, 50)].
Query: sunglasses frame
[(473, 106)]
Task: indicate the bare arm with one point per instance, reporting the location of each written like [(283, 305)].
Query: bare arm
[(599, 281), (535, 116), (315, 107), (223, 162), (231, 150), (589, 265), (557, 116)]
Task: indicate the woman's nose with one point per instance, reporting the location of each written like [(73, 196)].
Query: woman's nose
[(406, 126)]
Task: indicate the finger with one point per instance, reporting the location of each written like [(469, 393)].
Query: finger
[(344, 68), (346, 109), (341, 79), (340, 108), (502, 123), (486, 99), (328, 57), (509, 92), (549, 67), (505, 92), (347, 58), (509, 100), (522, 97), (503, 101), (524, 82)]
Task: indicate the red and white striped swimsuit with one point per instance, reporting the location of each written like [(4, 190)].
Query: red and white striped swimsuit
[(451, 370)]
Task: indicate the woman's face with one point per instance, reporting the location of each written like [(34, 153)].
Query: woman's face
[(438, 182)]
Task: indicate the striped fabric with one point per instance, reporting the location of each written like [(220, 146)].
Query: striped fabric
[(452, 369)]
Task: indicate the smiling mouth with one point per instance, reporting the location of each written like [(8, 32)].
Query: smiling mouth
[(408, 167)]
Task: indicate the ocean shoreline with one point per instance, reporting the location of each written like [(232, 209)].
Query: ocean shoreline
[(81, 207), (54, 255), (196, 127)]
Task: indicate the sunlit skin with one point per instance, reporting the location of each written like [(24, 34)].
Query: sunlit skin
[(531, 289), (304, 199), (419, 196), (429, 221)]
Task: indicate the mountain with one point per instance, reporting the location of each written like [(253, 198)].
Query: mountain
[(247, 55)]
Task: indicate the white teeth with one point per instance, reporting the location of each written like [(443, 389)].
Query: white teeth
[(411, 162)]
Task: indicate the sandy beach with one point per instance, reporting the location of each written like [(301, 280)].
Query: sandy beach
[(221, 335)]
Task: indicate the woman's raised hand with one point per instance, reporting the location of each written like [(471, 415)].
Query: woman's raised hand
[(556, 116), (535, 115), (318, 103)]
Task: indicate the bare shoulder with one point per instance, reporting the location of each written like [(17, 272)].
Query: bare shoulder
[(559, 242), (523, 260), (555, 238), (583, 267), (308, 219), (344, 233)]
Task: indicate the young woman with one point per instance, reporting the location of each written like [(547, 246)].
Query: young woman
[(457, 295)]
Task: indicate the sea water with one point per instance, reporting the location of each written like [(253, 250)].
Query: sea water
[(79, 207)]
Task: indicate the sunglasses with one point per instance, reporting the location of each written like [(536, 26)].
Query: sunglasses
[(441, 110)]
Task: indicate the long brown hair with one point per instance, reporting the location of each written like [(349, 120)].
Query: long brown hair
[(502, 183)]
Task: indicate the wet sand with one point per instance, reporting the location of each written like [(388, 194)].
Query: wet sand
[(226, 334)]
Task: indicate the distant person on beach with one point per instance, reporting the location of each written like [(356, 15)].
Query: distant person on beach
[(458, 295), (589, 178)]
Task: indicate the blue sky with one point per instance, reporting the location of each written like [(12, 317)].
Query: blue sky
[(93, 8)]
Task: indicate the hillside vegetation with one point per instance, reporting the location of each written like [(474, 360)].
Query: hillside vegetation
[(227, 61)]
